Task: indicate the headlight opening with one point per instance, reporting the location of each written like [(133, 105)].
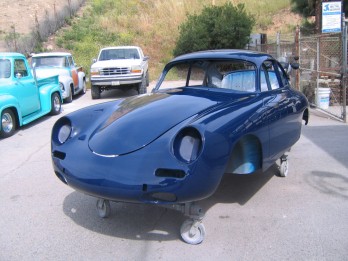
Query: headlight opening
[(62, 130), (188, 145), (64, 133)]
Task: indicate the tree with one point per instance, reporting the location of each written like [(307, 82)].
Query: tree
[(217, 27), (308, 7), (313, 8)]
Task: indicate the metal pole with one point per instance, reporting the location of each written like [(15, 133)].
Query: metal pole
[(344, 69), (297, 56), (318, 65), (278, 45)]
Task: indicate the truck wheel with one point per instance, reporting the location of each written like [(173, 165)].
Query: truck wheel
[(147, 79), (8, 123), (95, 92), (56, 104), (84, 88), (142, 86)]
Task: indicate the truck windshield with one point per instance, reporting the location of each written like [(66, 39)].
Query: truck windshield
[(57, 61), (116, 54), (5, 68)]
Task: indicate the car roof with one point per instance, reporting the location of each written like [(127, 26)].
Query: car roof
[(11, 54), (252, 56), (51, 54), (121, 47)]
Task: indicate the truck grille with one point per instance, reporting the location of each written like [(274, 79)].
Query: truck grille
[(115, 71)]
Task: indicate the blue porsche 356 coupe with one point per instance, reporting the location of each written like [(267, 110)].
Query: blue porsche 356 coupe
[(211, 113)]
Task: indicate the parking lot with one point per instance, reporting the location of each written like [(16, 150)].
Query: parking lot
[(254, 217)]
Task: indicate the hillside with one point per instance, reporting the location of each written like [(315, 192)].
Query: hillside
[(151, 24)]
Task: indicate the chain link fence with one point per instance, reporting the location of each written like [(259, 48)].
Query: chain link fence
[(321, 60)]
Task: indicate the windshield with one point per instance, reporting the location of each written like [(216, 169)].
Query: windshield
[(116, 54), (57, 61), (233, 75), (5, 68)]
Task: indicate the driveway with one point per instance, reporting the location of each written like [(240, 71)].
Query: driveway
[(254, 217)]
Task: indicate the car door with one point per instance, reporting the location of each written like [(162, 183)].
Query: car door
[(278, 102), (26, 90)]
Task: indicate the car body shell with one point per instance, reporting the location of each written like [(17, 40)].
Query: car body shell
[(28, 98), (72, 78), (131, 149)]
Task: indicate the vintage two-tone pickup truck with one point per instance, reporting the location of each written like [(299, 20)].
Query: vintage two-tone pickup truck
[(72, 79), (23, 97)]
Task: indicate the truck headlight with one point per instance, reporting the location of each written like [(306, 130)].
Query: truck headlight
[(94, 71), (136, 69), (187, 145)]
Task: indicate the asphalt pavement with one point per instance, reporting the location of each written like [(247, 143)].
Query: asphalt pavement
[(253, 217)]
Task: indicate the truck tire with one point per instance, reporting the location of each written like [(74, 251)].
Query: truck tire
[(142, 86), (95, 92), (8, 123), (56, 104), (147, 79)]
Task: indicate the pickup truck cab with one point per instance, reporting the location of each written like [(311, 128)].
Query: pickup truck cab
[(119, 67), (72, 79), (23, 97)]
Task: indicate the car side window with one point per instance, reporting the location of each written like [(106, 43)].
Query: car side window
[(20, 70), (5, 68), (268, 77), (283, 76), (71, 61)]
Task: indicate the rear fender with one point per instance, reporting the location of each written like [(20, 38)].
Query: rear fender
[(246, 156)]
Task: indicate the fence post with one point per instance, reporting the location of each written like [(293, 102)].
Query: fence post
[(297, 56), (344, 70), (318, 62)]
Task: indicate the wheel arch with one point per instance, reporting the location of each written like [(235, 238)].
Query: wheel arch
[(15, 111), (246, 156)]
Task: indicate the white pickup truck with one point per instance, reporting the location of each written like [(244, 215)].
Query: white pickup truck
[(119, 67)]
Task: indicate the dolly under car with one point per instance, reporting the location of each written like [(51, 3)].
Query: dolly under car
[(211, 113)]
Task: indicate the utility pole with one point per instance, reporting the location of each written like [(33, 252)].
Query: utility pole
[(318, 16)]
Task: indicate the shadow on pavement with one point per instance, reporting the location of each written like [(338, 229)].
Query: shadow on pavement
[(151, 222), (329, 183), (333, 139)]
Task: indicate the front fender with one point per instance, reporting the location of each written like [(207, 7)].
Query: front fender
[(46, 92), (9, 101), (66, 81)]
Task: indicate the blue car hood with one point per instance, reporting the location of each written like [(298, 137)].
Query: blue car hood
[(139, 120)]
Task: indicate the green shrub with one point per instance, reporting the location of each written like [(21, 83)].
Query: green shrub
[(217, 27)]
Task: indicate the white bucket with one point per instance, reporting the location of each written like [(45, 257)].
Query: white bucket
[(322, 97)]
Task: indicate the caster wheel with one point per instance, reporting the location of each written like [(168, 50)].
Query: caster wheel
[(192, 232), (284, 168), (103, 208)]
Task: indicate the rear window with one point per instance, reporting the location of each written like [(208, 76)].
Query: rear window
[(5, 68), (116, 54), (56, 61)]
